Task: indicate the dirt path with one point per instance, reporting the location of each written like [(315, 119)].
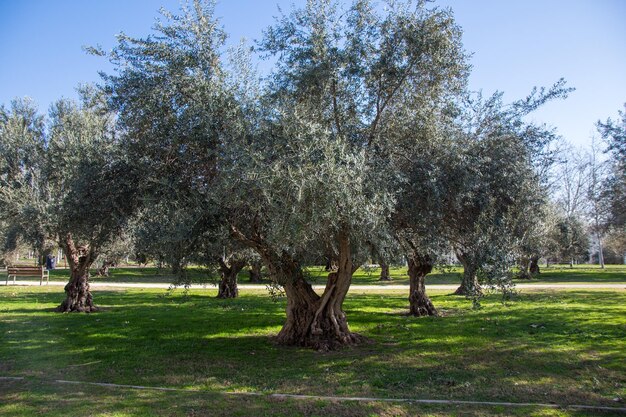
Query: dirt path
[(354, 287)]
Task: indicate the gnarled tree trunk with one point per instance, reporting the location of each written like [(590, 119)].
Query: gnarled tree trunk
[(384, 271), (255, 272), (228, 284), (314, 321), (78, 296), (523, 268), (419, 303), (469, 283), (534, 265), (320, 322), (103, 271)]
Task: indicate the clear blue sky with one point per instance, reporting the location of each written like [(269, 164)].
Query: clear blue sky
[(516, 45)]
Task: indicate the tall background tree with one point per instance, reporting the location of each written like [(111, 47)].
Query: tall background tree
[(614, 132)]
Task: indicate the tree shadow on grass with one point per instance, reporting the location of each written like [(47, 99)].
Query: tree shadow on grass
[(547, 346)]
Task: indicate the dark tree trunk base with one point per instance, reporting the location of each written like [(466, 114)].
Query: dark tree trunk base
[(463, 290), (78, 298), (315, 322), (534, 266), (384, 272), (421, 306), (255, 273), (328, 331), (469, 284), (228, 285), (469, 287), (312, 321), (419, 302), (228, 288)]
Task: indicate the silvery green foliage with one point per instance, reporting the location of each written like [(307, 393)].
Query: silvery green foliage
[(74, 180), (170, 94), (184, 115), (22, 145), (496, 187), (572, 240), (348, 86), (306, 156)]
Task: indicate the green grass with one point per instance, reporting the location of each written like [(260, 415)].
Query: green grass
[(317, 275), (567, 346)]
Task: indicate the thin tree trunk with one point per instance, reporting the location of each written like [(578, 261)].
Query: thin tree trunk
[(228, 284), (600, 252), (78, 296), (384, 271), (419, 302), (469, 283)]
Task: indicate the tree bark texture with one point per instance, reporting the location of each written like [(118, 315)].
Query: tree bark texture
[(255, 272), (419, 302), (469, 283), (228, 284), (320, 322), (534, 265), (103, 271), (600, 252), (313, 321), (523, 268), (78, 296), (384, 271)]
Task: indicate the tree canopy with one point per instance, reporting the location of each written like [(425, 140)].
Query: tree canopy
[(364, 138)]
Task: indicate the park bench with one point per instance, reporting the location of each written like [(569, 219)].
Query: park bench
[(28, 271)]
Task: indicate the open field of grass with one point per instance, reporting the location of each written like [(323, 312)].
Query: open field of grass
[(563, 347), (368, 276)]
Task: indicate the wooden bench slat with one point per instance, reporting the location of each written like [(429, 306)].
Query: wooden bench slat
[(28, 271)]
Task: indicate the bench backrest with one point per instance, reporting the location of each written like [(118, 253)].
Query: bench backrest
[(25, 271)]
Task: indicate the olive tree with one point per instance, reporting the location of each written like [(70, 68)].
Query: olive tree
[(302, 163), (494, 184), (75, 187), (347, 84)]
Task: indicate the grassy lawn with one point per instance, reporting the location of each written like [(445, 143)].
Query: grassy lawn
[(363, 276), (567, 347)]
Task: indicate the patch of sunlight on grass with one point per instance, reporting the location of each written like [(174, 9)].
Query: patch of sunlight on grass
[(106, 336), (243, 332)]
